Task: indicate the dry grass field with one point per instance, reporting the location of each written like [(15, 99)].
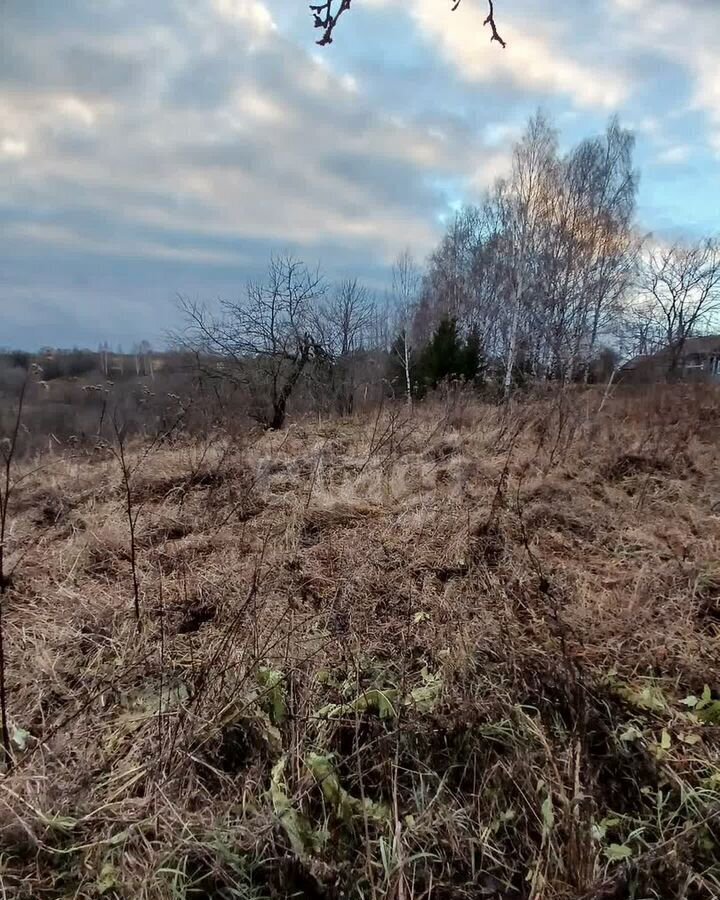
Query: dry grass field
[(464, 652)]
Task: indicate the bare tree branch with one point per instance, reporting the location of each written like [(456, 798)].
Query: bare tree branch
[(490, 20), (326, 20)]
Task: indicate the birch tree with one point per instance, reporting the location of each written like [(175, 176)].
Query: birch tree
[(405, 289), (525, 205)]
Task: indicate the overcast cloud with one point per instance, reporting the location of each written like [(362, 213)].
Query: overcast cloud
[(150, 149)]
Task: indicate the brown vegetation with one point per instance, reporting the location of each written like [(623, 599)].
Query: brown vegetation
[(459, 651)]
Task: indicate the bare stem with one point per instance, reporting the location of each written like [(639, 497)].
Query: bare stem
[(8, 452)]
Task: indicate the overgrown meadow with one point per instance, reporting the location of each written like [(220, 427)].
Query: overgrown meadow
[(459, 651)]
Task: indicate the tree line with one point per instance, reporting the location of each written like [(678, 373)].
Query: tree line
[(546, 277)]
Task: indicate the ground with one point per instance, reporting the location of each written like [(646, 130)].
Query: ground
[(464, 651)]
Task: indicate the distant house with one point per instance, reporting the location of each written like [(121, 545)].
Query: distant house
[(699, 360)]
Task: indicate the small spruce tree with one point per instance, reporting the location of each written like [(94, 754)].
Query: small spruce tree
[(448, 356)]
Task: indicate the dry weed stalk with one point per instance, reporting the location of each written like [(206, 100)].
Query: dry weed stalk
[(128, 469), (8, 449)]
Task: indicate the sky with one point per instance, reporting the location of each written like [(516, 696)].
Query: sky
[(165, 148)]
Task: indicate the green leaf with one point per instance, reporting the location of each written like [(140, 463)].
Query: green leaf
[(273, 737), (665, 740), (119, 838), (421, 617), (343, 803), (548, 814), (425, 698), (272, 682), (324, 773), (20, 737), (710, 715), (650, 697), (631, 734), (301, 836), (108, 879), (618, 852), (372, 700), (706, 842), (705, 699), (691, 701), (60, 823), (381, 701), (690, 739)]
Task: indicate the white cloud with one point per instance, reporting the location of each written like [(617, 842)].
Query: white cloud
[(13, 148), (245, 13), (675, 154), (76, 110), (288, 151), (493, 166), (349, 83), (687, 34), (531, 60), (215, 132), (256, 106), (68, 238), (706, 67)]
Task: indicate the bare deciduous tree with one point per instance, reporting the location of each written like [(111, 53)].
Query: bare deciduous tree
[(346, 317), (265, 342), (681, 285), (541, 270), (405, 286), (345, 324), (525, 208)]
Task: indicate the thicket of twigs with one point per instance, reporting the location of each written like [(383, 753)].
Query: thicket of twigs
[(463, 651)]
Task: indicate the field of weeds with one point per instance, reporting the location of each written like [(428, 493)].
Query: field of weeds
[(467, 651)]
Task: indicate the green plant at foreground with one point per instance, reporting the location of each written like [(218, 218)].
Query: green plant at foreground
[(211, 868), (272, 682), (303, 837), (345, 806), (706, 709), (672, 737), (386, 702), (662, 728)]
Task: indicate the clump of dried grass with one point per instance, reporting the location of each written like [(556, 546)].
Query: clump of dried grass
[(327, 513), (480, 626)]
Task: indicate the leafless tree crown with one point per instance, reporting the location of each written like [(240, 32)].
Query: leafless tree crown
[(541, 268), (679, 288), (272, 332)]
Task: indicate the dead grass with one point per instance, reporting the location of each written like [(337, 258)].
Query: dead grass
[(476, 658)]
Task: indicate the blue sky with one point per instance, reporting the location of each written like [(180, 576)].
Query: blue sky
[(151, 149)]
